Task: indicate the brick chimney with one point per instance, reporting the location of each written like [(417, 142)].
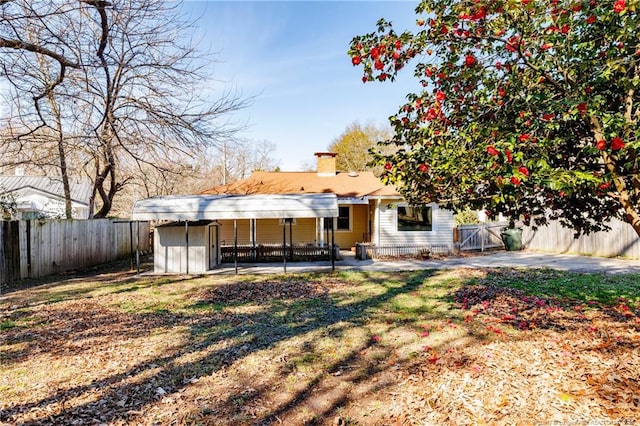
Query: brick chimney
[(326, 163)]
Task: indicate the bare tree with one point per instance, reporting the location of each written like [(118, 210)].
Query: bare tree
[(128, 90), (187, 175), (239, 158)]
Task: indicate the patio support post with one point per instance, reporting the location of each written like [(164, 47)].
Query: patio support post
[(186, 239), (333, 246), (131, 243), (235, 244), (253, 224), (284, 244), (321, 231), (291, 238), (138, 246)]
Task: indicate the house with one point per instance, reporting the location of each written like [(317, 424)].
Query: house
[(308, 209), (368, 210), (37, 197)]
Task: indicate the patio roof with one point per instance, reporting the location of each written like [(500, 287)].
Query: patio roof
[(218, 207)]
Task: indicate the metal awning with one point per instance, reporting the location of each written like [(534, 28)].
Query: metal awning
[(218, 207)]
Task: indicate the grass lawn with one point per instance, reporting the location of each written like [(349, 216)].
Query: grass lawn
[(431, 347)]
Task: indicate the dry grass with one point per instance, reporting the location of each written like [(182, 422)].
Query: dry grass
[(430, 347)]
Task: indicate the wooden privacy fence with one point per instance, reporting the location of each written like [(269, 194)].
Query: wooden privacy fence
[(621, 240), (36, 248), (273, 253)]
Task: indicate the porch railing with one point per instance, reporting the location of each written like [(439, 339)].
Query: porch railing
[(372, 251), (273, 253)]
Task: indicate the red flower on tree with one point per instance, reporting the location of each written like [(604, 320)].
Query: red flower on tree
[(432, 114), (423, 168), (523, 170), (379, 65), (591, 19), (492, 151), (601, 144), (470, 60), (515, 180), (619, 6), (440, 96), (617, 143), (582, 108), (356, 60)]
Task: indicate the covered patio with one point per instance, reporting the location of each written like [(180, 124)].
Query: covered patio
[(188, 239)]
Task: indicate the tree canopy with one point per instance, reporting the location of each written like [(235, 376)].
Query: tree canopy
[(353, 146), (526, 108)]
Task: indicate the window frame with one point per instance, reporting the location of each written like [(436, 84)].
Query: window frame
[(335, 219), (405, 205)]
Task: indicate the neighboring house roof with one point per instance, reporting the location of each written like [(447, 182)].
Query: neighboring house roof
[(80, 188), (217, 207), (344, 185)]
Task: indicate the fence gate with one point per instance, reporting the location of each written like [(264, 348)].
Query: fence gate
[(480, 237)]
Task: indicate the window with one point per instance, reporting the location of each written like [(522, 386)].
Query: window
[(342, 222), (415, 218), (344, 218)]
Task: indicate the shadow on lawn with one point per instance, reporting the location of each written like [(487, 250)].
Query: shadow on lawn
[(282, 308), (208, 350)]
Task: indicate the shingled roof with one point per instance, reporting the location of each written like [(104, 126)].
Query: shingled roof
[(344, 185)]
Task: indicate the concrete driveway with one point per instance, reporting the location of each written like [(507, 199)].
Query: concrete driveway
[(500, 259)]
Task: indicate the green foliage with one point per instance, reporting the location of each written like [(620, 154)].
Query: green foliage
[(467, 217), (526, 108), (589, 289), (354, 144)]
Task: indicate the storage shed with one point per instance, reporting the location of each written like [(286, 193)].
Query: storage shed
[(189, 242)]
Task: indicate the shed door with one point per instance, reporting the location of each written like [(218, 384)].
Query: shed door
[(214, 252)]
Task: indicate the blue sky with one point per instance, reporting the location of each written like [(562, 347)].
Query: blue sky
[(291, 55)]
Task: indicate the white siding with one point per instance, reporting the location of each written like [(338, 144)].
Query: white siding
[(386, 227)]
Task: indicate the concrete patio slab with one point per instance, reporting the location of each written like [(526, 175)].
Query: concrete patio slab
[(500, 259)]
